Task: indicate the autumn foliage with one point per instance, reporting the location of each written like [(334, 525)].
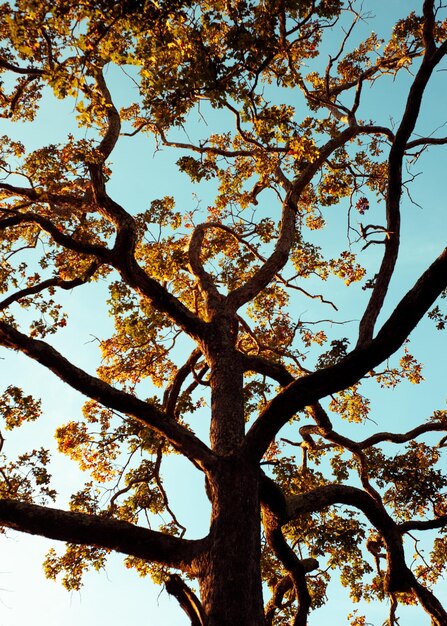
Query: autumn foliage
[(256, 324)]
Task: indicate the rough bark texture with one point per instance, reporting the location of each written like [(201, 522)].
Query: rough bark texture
[(80, 528), (229, 573)]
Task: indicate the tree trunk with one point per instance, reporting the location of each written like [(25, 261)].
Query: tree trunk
[(230, 572), (230, 579)]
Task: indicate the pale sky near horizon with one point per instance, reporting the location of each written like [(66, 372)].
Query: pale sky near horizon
[(118, 595)]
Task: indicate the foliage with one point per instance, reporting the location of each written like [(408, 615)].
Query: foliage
[(284, 170)]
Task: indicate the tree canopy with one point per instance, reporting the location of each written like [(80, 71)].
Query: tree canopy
[(257, 325)]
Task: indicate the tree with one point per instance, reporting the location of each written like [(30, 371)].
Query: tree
[(227, 284)]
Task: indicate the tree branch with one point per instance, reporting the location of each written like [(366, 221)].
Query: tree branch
[(80, 528), (399, 577), (46, 284), (402, 437), (173, 391), (282, 586), (274, 264), (294, 566), (394, 187), (41, 196), (147, 413), (425, 141), (28, 71), (429, 524), (126, 238), (206, 282), (188, 600), (202, 149), (308, 389), (100, 252), (123, 261)]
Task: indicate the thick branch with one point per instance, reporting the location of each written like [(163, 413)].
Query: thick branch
[(273, 264), (126, 238), (431, 604), (428, 524), (122, 260), (40, 196), (308, 389), (294, 566), (113, 117), (426, 141), (281, 588), (136, 278), (394, 188), (58, 236), (279, 372), (399, 577), (149, 414), (28, 71), (276, 261), (206, 282), (80, 528), (125, 224)]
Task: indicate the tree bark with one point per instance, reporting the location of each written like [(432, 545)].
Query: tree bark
[(230, 573)]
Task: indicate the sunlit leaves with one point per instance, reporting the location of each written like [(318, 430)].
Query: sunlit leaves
[(351, 405), (409, 369), (73, 564), (412, 481), (258, 161), (79, 444), (27, 479), (140, 346), (439, 317), (16, 407)]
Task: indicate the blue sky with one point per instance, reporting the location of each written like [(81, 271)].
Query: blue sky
[(117, 595)]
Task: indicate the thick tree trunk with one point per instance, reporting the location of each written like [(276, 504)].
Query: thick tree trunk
[(230, 572), (230, 581)]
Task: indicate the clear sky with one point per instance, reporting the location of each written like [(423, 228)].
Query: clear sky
[(118, 595)]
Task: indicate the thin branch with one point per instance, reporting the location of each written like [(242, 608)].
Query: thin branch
[(402, 437), (46, 284), (187, 599), (201, 149), (173, 391), (164, 495)]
